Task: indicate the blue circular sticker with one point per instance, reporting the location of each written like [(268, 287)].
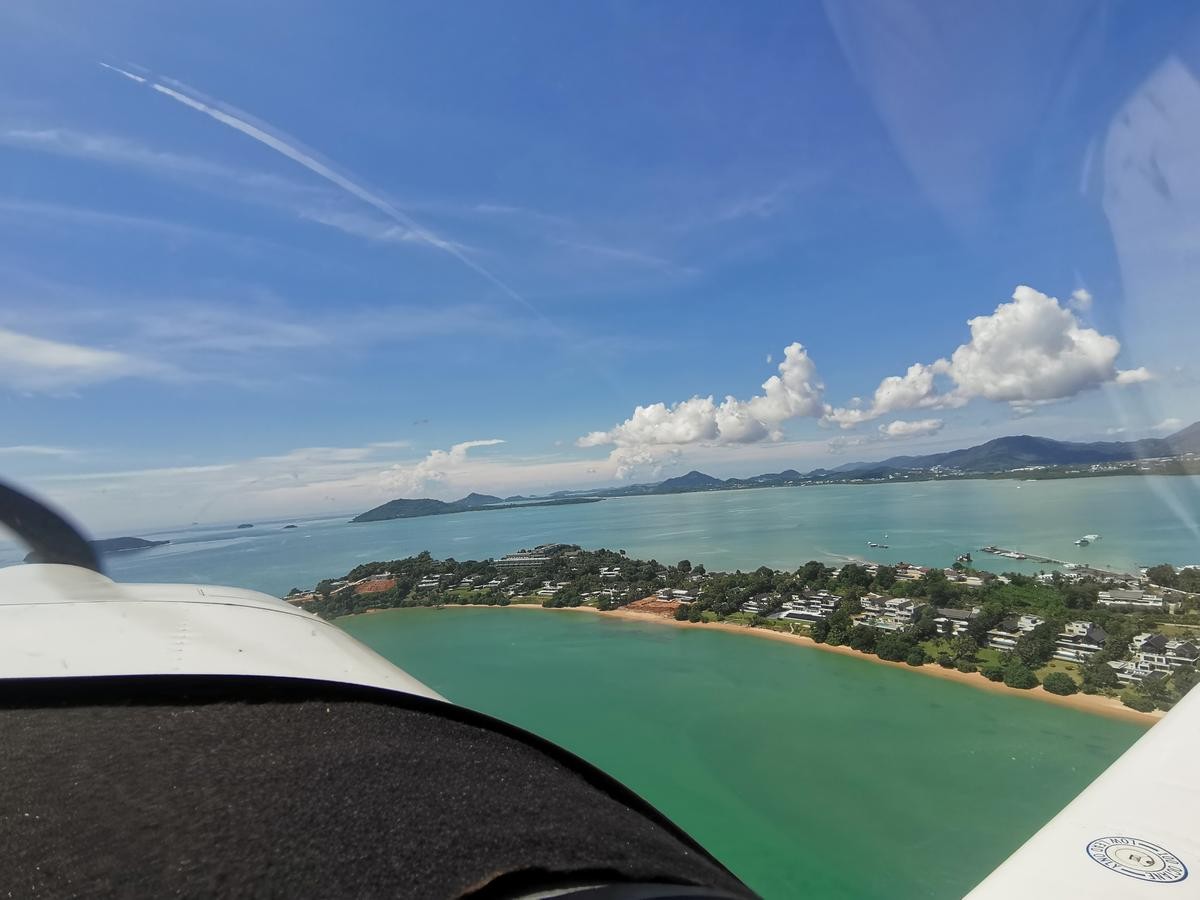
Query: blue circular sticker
[(1138, 859)]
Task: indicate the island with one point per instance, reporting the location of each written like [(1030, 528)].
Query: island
[(245, 525), (286, 527), (411, 509), (110, 545), (1126, 643)]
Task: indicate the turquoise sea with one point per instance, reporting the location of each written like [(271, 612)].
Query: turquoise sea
[(809, 774), (1142, 521)]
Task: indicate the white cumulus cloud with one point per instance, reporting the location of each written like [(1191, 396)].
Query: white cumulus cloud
[(1134, 376), (631, 463), (796, 391), (900, 429), (1081, 299), (1030, 350), (433, 469)]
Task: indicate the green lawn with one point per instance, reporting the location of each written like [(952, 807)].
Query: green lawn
[(1057, 665)]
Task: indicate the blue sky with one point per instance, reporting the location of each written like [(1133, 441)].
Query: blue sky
[(277, 259)]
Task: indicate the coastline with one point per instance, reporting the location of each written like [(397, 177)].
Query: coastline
[(1095, 704)]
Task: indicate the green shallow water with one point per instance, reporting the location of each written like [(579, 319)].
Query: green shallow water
[(807, 773)]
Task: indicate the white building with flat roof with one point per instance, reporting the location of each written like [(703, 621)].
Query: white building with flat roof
[(1136, 599)]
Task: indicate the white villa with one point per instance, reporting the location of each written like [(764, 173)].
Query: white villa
[(1079, 641)]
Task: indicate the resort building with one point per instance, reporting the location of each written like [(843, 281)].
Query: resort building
[(1130, 598), (897, 613), (677, 596), (954, 621), (524, 559), (872, 603), (1079, 641), (1157, 653), (809, 607), (1005, 635)]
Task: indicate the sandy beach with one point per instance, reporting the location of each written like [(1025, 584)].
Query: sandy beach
[(1090, 703)]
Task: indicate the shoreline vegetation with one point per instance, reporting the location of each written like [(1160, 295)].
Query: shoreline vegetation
[(1096, 704), (1125, 646)]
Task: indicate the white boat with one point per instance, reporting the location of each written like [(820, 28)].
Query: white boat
[(1082, 542)]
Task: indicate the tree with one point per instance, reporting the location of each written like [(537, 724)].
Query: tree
[(1060, 683), (893, 646), (820, 631), (864, 638), (965, 665), (1018, 675), (840, 624), (945, 660), (1134, 700), (695, 614), (885, 577), (812, 572), (1163, 575), (916, 656), (1185, 679), (1035, 648), (1099, 676), (993, 672), (1155, 690), (924, 627), (854, 575), (684, 566), (964, 647), (681, 612)]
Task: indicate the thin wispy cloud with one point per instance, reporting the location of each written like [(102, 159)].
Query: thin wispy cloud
[(266, 135), (115, 150), (22, 213), (34, 364), (625, 255), (38, 450), (305, 202)]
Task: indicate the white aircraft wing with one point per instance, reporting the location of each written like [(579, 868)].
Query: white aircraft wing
[(100, 627), (1134, 832)]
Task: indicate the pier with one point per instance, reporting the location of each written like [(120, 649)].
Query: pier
[(1018, 554), (1078, 568)]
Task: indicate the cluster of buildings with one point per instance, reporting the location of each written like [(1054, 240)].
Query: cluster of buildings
[(1077, 642), (1152, 655), (538, 556), (1155, 656), (667, 595)]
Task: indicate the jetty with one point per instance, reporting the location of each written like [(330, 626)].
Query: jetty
[(1020, 554), (1077, 568)]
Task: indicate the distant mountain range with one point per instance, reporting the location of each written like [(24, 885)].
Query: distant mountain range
[(993, 457), (1007, 453), (411, 509)]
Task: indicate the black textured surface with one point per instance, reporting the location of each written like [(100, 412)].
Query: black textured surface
[(237, 787)]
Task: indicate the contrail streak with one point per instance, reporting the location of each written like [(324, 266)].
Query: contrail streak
[(238, 120), (138, 78)]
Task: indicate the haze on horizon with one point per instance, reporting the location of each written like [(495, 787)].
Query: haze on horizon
[(259, 263)]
